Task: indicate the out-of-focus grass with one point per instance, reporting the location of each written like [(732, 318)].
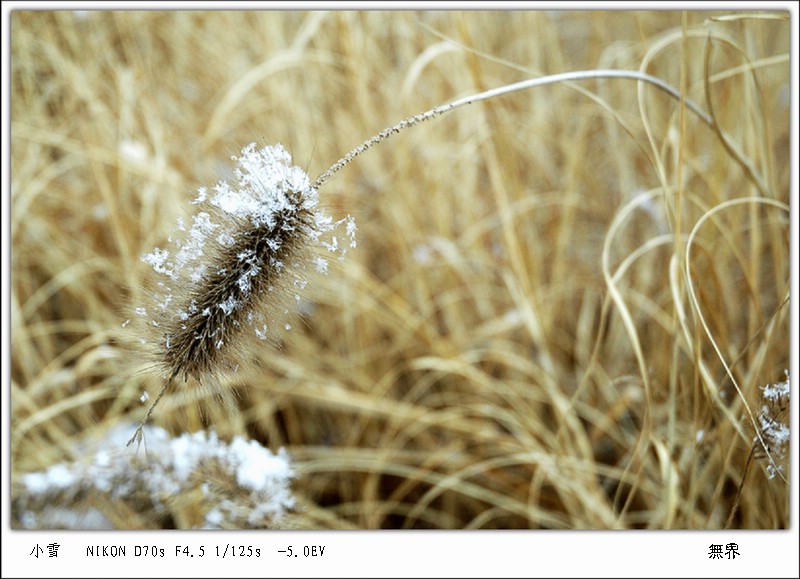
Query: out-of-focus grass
[(515, 343)]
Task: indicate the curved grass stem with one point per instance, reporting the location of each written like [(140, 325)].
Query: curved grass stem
[(506, 89)]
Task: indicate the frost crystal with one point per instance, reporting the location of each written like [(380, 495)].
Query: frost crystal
[(351, 230), (228, 305), (321, 264), (158, 258)]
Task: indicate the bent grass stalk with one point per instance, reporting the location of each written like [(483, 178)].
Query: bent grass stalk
[(208, 330), (701, 317), (506, 89)]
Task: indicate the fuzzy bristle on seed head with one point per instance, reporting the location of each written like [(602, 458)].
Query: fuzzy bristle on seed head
[(224, 276)]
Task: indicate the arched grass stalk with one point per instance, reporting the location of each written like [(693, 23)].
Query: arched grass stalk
[(701, 317), (506, 89), (235, 257)]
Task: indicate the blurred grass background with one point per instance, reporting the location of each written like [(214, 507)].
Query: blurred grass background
[(514, 343)]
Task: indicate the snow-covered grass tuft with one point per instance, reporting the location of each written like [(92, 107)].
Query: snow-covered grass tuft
[(241, 484), (771, 441), (774, 425)]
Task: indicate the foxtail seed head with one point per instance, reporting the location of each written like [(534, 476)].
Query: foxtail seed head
[(250, 244)]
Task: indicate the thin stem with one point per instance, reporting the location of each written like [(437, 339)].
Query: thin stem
[(138, 433), (749, 170), (738, 497), (509, 88)]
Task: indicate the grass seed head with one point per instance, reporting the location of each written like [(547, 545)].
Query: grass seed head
[(228, 274)]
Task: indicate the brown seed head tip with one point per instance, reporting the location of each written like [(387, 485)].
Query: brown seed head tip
[(225, 274)]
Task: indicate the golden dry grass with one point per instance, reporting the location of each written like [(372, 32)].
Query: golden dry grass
[(515, 342)]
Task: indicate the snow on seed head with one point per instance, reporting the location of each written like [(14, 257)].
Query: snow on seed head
[(250, 244)]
